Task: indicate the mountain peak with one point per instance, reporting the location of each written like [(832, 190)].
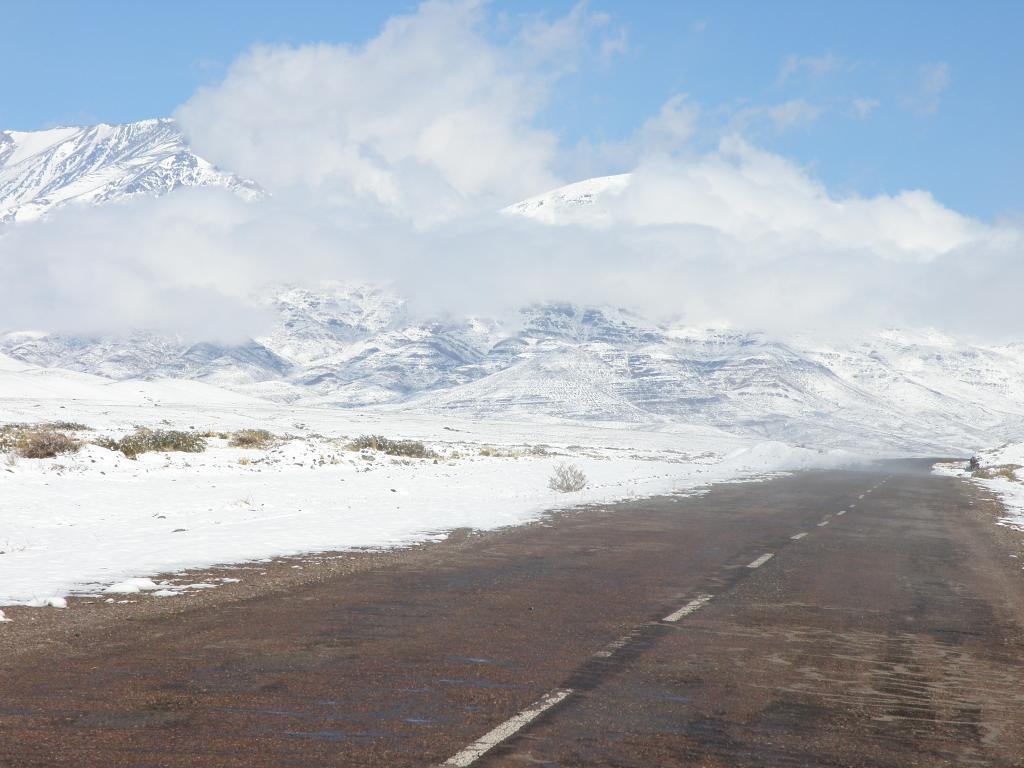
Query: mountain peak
[(42, 170)]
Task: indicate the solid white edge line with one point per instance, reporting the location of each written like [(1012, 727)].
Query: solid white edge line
[(798, 536), (698, 602), (761, 560), (509, 728)]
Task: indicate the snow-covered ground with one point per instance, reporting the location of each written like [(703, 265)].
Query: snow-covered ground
[(94, 520), (1001, 470)]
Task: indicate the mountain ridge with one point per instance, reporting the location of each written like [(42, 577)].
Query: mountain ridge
[(357, 346), (43, 170)]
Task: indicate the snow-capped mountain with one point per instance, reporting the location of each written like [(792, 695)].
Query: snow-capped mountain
[(352, 346), (40, 170), (358, 346), (585, 201)]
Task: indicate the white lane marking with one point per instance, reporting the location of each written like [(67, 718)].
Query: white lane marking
[(698, 602), (852, 506), (509, 728), (614, 645), (798, 536), (823, 523), (841, 512), (861, 496), (761, 560)]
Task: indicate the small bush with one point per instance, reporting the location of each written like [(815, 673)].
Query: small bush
[(45, 443), (67, 426), (1001, 471), (251, 438), (42, 441), (567, 478), (9, 434), (213, 433), (410, 448), (144, 440)]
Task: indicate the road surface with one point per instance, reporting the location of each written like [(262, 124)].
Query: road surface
[(829, 618)]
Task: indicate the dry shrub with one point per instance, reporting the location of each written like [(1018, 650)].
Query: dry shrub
[(251, 438), (42, 441), (67, 426), (45, 443), (1004, 471), (567, 478), (144, 440), (414, 449)]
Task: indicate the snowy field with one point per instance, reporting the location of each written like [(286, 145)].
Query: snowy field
[(93, 521), (1001, 470)]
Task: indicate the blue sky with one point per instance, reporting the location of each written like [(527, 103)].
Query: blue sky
[(881, 96)]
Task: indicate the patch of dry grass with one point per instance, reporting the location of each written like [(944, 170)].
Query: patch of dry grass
[(145, 440), (42, 441), (999, 471), (251, 438), (412, 449)]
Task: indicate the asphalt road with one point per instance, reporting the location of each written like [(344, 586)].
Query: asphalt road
[(699, 631)]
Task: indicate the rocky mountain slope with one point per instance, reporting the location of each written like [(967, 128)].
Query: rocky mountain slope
[(40, 170), (352, 346)]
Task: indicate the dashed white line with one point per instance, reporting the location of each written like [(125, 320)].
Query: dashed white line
[(761, 560), (841, 512), (695, 604), (615, 645), (823, 523), (509, 728), (861, 496), (798, 536)]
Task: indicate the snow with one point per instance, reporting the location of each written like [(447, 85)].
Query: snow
[(581, 202), (40, 170), (51, 602), (902, 391), (1002, 472), (30, 143), (97, 522), (132, 587)]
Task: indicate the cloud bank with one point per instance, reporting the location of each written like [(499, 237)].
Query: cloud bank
[(389, 163)]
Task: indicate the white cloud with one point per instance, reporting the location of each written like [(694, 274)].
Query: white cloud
[(388, 162), (816, 66), (778, 118), (862, 107), (427, 120), (793, 113), (749, 195), (933, 80), (614, 45), (673, 126)]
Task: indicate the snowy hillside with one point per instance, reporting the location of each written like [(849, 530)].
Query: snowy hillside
[(585, 201), (356, 347), (40, 170)]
